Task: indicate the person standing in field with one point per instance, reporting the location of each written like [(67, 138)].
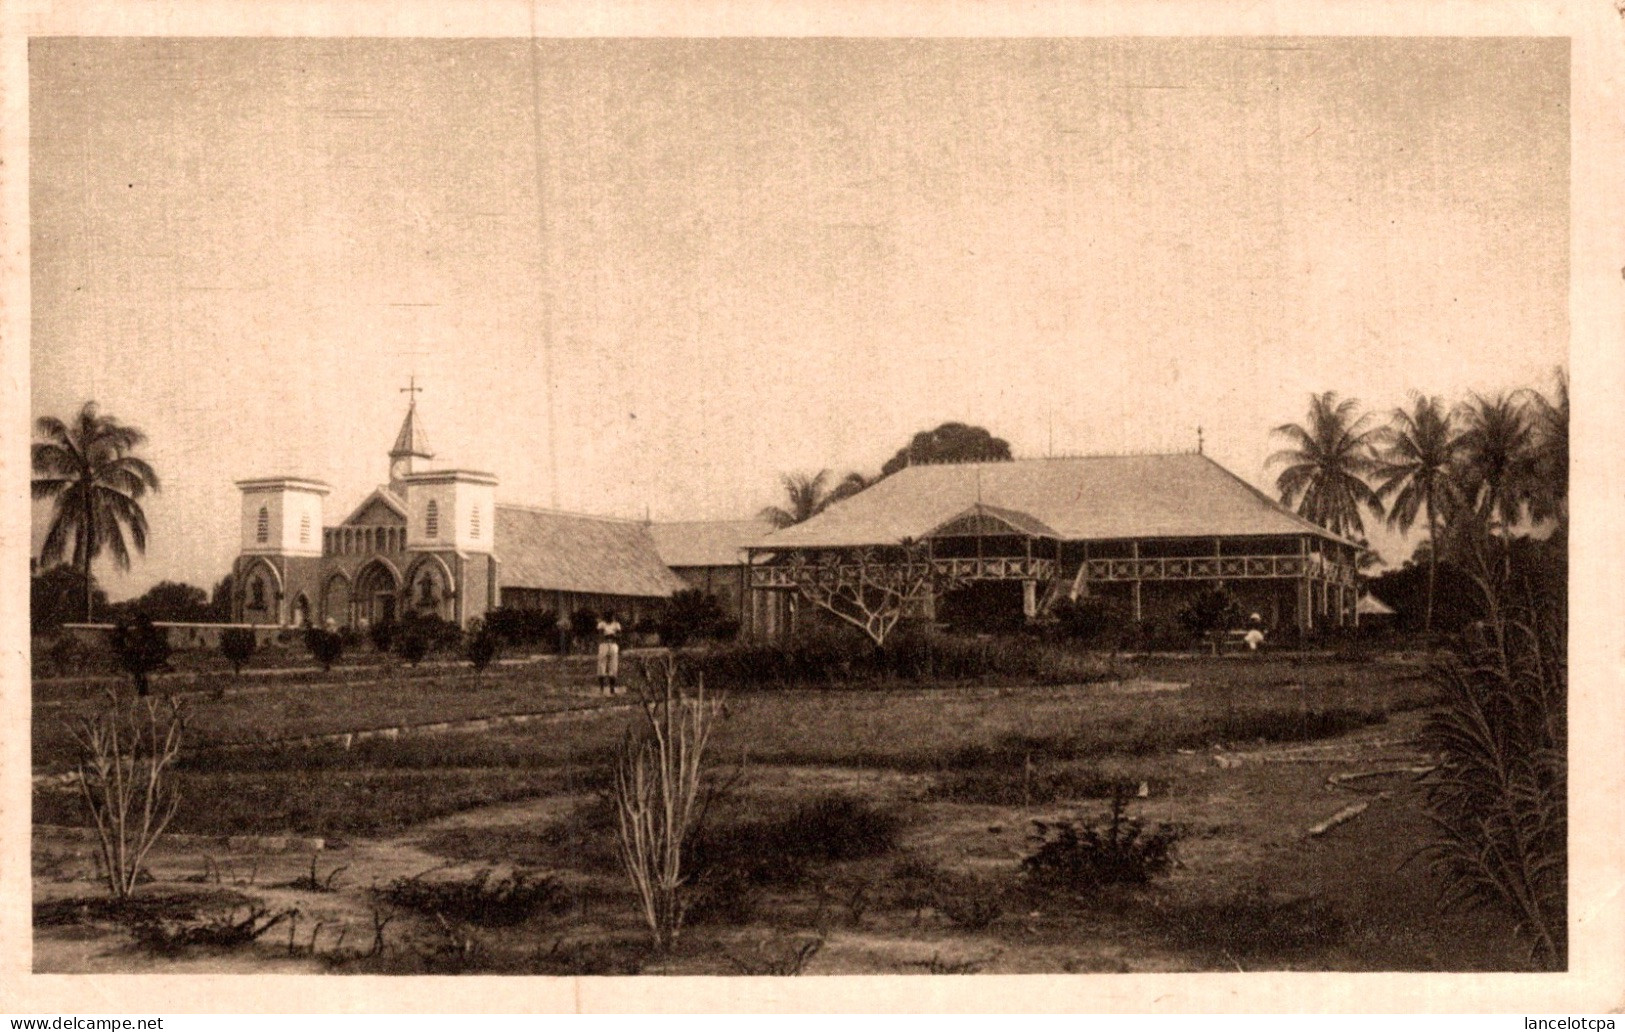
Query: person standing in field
[(609, 653)]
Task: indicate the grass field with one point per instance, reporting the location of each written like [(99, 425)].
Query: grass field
[(940, 782)]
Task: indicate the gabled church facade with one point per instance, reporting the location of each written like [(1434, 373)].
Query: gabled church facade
[(435, 543)]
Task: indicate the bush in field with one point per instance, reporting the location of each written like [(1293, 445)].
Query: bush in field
[(237, 644), (382, 635), (140, 649), (657, 787), (1211, 611), (412, 645), (125, 753), (823, 657), (524, 627), (67, 655), (690, 615), (1498, 798), (324, 646), (776, 851), (583, 625), (1084, 856), (481, 899), (482, 647), (1094, 622)]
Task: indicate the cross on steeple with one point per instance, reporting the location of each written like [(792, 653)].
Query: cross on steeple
[(413, 388)]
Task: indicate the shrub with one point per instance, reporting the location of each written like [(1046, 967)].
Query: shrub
[(827, 658), (67, 655), (690, 615), (125, 781), (969, 902), (140, 648), (412, 645), (481, 899), (831, 828), (524, 627), (482, 648), (583, 624), (237, 644), (1083, 856), (1209, 612), (657, 785), (1094, 622), (325, 646), (382, 635)]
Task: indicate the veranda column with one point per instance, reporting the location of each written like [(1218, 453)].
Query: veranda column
[(1137, 609)]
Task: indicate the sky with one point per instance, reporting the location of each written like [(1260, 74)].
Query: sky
[(737, 258)]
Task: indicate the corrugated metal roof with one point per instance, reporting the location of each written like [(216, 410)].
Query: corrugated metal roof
[(558, 551), (707, 542), (1082, 499)]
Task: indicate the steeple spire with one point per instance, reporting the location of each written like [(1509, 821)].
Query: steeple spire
[(411, 443)]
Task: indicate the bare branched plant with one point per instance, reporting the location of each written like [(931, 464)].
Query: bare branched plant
[(1498, 798), (126, 751), (657, 792)]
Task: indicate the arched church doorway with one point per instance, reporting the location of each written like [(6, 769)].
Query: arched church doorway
[(336, 602), (377, 591)]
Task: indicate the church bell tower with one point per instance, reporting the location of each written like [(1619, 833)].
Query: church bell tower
[(411, 443)]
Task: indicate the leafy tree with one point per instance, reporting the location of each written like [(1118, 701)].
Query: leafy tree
[(140, 648), (1419, 454), (220, 600), (950, 442), (96, 482), (237, 644), (173, 601), (56, 596), (1326, 469), (850, 485)]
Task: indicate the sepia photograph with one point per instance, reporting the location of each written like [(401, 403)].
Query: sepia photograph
[(798, 505)]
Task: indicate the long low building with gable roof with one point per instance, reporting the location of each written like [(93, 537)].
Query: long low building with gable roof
[(1148, 530)]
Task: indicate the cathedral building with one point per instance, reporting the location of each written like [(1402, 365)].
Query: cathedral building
[(435, 542)]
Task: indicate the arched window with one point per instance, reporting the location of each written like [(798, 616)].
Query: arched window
[(304, 528), (256, 591), (431, 520), (474, 522), (426, 589), (262, 528)]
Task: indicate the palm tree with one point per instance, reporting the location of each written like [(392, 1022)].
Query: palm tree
[(1326, 469), (806, 496), (1419, 450), (87, 468), (1498, 459), (1549, 498)]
